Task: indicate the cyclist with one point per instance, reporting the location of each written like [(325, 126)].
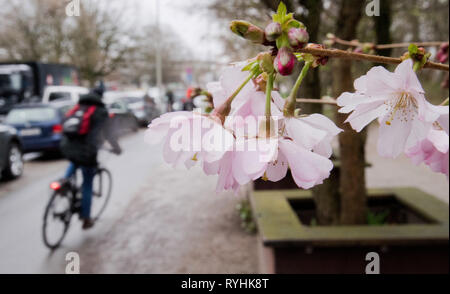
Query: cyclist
[(85, 128)]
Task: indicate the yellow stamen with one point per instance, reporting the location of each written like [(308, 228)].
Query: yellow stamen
[(264, 177), (402, 103), (194, 158)]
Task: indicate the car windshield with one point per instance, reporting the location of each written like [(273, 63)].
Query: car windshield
[(28, 115), (59, 96), (10, 81)]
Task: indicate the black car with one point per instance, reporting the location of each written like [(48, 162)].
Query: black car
[(11, 159)]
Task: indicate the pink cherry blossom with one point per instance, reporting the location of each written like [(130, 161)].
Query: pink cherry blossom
[(397, 100), (273, 157), (433, 151), (188, 137), (237, 157), (313, 132)]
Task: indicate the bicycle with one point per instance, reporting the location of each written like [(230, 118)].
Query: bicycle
[(65, 202)]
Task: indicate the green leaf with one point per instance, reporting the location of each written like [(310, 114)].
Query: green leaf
[(281, 14), (249, 66), (412, 49), (293, 23), (288, 17), (281, 9)]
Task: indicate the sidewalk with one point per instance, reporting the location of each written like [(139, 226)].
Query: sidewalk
[(175, 224)]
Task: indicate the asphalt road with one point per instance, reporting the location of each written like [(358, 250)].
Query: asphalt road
[(22, 204)]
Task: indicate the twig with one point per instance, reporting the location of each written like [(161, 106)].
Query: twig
[(405, 45), (360, 56), (356, 43), (324, 100)]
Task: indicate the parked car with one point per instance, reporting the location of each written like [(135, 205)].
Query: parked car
[(122, 117), (143, 107), (39, 126), (11, 159), (63, 93), (158, 98)]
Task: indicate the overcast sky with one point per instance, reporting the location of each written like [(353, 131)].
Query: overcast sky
[(193, 28)]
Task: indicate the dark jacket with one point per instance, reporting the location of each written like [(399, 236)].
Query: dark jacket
[(83, 150)]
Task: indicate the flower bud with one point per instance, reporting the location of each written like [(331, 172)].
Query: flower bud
[(358, 50), (265, 61), (298, 37), (248, 31), (285, 61), (260, 82), (442, 55), (273, 31)]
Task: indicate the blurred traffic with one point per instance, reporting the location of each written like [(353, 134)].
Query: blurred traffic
[(35, 97)]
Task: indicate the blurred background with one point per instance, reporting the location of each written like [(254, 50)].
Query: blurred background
[(150, 55)]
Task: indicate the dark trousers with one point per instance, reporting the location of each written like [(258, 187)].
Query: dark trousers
[(86, 189)]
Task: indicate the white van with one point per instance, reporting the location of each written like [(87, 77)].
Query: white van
[(63, 93)]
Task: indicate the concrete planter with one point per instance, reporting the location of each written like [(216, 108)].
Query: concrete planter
[(288, 244)]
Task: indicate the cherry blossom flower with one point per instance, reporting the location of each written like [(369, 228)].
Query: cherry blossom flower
[(188, 137), (433, 150), (272, 157), (237, 157), (312, 132), (397, 100)]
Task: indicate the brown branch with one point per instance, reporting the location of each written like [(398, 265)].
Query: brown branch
[(406, 45), (356, 43), (336, 53), (325, 100)]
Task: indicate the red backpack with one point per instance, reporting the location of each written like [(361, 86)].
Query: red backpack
[(78, 120)]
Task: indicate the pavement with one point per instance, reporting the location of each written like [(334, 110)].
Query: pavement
[(159, 220)]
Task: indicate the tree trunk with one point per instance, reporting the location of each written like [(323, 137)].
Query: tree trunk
[(311, 85), (383, 26), (353, 192), (327, 200)]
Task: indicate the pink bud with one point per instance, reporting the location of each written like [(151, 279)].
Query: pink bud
[(273, 31), (285, 61), (298, 37), (442, 55)]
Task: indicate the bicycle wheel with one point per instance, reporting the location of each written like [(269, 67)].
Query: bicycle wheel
[(101, 192), (57, 216)]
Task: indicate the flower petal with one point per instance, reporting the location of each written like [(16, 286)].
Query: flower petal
[(303, 133), (366, 113), (308, 169), (392, 138), (407, 77)]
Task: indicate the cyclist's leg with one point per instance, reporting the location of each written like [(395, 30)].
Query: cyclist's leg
[(86, 189), (71, 169)]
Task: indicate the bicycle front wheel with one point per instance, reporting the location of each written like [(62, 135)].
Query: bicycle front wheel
[(102, 188), (57, 216)]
